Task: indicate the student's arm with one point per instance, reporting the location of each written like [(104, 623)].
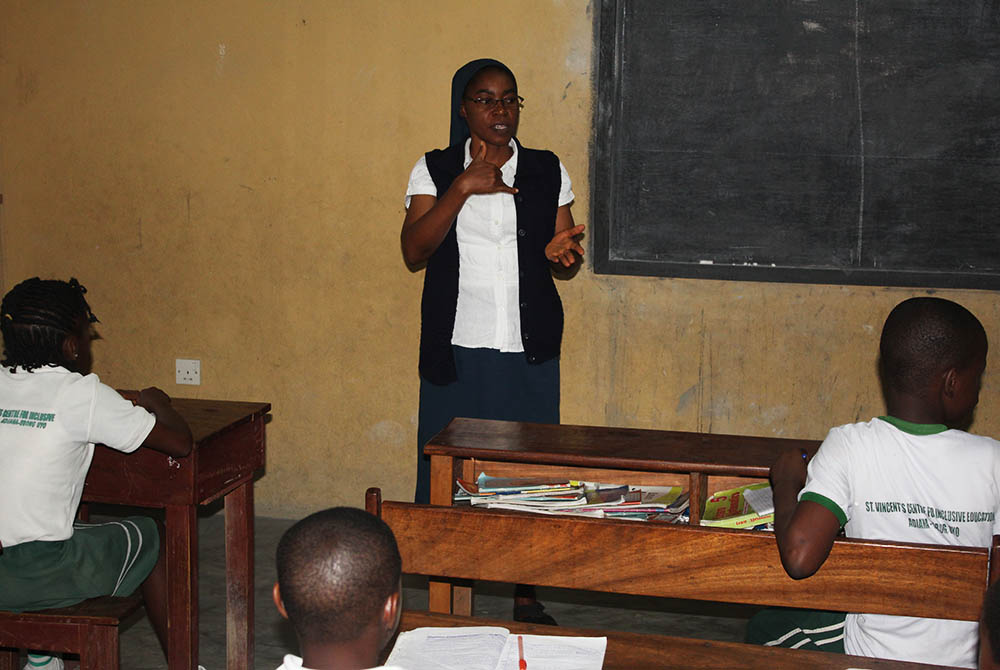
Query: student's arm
[(428, 218), (805, 530), (171, 434), (560, 249)]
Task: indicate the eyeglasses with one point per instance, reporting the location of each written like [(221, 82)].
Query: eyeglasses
[(507, 102)]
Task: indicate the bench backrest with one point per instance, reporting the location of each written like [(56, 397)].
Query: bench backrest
[(676, 561)]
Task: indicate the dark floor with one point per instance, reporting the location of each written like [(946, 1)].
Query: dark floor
[(274, 637)]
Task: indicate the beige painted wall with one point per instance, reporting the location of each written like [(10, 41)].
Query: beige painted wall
[(227, 179)]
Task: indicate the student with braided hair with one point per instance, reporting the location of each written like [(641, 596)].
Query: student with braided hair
[(52, 412)]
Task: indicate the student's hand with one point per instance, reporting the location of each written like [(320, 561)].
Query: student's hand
[(804, 530), (131, 396), (560, 249), (152, 399), (483, 177), (789, 471), (171, 433)]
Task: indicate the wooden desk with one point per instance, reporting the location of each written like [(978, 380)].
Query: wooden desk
[(700, 462), (228, 453), (627, 651)]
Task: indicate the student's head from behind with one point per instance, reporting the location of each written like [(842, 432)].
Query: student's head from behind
[(47, 322), (339, 578), (933, 353)]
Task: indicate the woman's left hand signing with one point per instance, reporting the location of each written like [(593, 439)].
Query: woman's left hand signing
[(560, 249)]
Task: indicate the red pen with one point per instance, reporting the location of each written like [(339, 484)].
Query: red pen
[(521, 663)]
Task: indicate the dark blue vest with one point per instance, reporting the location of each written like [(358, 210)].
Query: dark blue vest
[(538, 181)]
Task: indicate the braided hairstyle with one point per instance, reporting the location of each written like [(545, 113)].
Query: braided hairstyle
[(35, 318)]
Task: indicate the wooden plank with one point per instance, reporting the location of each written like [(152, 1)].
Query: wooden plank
[(239, 578), (182, 586), (210, 418), (628, 651), (602, 475), (685, 562), (612, 448), (106, 610), (442, 479), (54, 636), (229, 461), (100, 649)]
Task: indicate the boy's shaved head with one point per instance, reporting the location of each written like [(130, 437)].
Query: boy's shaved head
[(924, 337), (336, 569)]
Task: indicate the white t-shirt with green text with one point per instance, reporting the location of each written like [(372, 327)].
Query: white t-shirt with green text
[(50, 419), (888, 479)]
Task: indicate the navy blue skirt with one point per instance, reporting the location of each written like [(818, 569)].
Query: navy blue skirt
[(490, 385)]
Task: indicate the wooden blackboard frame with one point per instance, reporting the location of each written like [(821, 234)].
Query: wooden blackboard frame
[(607, 195)]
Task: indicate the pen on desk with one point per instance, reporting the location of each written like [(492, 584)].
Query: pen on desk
[(521, 663)]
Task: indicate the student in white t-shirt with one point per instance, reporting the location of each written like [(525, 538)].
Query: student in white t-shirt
[(914, 475), (52, 413), (339, 583)]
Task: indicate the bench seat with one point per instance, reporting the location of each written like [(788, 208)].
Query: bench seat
[(89, 629)]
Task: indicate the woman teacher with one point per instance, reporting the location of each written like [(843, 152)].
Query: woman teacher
[(492, 220)]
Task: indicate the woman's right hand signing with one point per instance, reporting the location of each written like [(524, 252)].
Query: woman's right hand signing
[(483, 177)]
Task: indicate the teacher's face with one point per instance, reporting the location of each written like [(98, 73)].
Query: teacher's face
[(491, 107)]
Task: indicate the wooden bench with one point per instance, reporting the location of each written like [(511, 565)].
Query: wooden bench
[(687, 562), (89, 629)]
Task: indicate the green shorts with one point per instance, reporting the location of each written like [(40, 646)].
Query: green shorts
[(100, 559), (798, 629)]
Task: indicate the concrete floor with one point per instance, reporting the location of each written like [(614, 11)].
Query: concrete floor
[(274, 637)]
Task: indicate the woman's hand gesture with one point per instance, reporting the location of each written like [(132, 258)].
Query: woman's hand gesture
[(560, 249), (483, 177)]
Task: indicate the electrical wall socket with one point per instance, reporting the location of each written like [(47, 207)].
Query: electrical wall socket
[(188, 371)]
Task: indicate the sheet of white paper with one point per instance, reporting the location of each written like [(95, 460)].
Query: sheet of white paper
[(468, 648), (761, 500), (491, 648), (555, 652)]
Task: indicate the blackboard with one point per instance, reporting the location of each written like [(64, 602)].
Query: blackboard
[(815, 141)]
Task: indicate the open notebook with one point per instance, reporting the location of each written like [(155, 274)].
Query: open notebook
[(493, 648)]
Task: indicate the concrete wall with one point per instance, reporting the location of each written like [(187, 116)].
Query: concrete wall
[(227, 179)]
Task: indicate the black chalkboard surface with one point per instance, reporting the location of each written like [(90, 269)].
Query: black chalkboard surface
[(817, 141)]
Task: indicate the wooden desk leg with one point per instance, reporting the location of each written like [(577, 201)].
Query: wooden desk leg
[(239, 578), (9, 659), (100, 650), (461, 597), (699, 494), (461, 589), (439, 592), (182, 587)]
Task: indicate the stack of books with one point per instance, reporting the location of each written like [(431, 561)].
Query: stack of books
[(646, 503)]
